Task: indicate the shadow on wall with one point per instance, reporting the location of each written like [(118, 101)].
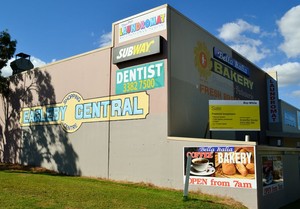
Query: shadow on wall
[(43, 145)]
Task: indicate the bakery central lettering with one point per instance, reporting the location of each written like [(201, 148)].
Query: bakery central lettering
[(101, 109), (230, 74), (74, 110), (48, 114)]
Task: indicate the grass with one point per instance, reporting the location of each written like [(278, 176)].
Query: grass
[(26, 187)]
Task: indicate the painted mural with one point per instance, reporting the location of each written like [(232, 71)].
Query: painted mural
[(221, 76), (74, 110)]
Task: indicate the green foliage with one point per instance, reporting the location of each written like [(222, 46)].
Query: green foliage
[(7, 48), (26, 189)]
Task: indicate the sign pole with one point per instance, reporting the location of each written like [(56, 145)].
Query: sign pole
[(187, 178)]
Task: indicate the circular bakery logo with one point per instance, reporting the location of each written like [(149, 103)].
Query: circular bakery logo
[(202, 60)]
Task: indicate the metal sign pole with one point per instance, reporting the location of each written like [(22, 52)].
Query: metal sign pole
[(187, 178)]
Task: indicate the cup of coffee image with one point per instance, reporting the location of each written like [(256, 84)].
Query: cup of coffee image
[(201, 164)]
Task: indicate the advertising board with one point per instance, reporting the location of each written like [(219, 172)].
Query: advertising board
[(234, 115), (221, 76), (272, 174), (273, 107), (140, 78), (143, 25), (136, 50), (218, 54), (230, 166)]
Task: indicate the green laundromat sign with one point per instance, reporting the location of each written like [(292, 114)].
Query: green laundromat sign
[(140, 78)]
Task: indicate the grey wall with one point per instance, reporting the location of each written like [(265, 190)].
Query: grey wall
[(291, 174), (190, 82)]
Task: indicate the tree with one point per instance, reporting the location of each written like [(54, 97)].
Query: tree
[(33, 145), (7, 48)]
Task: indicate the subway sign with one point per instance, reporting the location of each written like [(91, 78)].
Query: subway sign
[(136, 50)]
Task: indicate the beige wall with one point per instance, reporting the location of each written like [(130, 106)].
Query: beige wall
[(49, 145)]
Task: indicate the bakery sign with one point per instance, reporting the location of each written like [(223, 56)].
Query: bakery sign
[(225, 166), (74, 110), (225, 58)]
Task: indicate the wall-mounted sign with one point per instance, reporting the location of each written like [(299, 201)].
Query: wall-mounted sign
[(231, 74), (143, 25), (222, 166), (273, 108), (223, 57), (74, 110), (272, 171), (234, 115), (136, 50), (140, 77)]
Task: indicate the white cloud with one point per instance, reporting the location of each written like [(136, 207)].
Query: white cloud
[(37, 62), (251, 52), (7, 71), (289, 27), (234, 31), (296, 93), (238, 33), (288, 73), (105, 39)]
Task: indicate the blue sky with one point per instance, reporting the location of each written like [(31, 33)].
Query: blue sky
[(267, 32)]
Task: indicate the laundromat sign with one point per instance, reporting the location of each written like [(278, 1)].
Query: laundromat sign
[(143, 25), (74, 110)]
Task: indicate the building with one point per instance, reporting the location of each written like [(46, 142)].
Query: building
[(136, 110)]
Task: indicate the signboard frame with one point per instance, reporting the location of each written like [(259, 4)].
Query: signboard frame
[(241, 158), (234, 115)]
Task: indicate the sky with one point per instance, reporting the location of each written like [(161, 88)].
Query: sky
[(267, 32)]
